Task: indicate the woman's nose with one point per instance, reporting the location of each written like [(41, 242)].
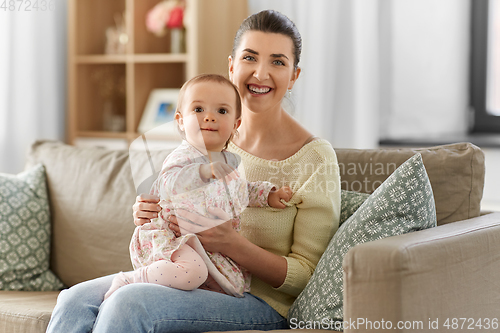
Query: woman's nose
[(261, 72)]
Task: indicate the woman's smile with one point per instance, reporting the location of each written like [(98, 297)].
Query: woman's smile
[(258, 90)]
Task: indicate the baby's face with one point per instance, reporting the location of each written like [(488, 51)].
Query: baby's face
[(208, 115)]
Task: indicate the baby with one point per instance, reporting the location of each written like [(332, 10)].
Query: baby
[(200, 173)]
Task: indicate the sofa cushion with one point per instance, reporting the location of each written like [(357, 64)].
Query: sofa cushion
[(25, 233), (91, 193), (403, 203), (456, 172), (26, 312)]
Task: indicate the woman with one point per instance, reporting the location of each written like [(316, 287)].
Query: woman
[(279, 248)]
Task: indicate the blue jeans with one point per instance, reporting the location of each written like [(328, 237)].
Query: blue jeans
[(145, 307)]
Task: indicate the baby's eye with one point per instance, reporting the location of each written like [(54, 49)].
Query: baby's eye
[(198, 109), (222, 111)]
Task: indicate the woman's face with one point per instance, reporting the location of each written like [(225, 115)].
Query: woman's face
[(263, 69)]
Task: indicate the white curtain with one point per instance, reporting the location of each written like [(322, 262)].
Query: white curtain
[(425, 60), (32, 80), (337, 94), (380, 69)]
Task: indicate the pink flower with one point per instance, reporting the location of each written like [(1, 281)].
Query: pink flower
[(176, 18), (168, 13)]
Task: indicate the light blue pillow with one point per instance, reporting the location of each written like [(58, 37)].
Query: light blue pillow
[(403, 203), (25, 233)]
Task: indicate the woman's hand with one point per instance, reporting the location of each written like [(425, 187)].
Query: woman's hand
[(183, 225), (215, 234), (267, 266), (146, 207), (174, 225)]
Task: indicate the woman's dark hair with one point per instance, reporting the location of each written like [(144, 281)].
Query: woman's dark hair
[(273, 22)]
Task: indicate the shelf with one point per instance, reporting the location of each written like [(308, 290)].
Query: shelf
[(102, 134), (143, 40), (109, 82), (174, 137), (160, 57), (149, 76), (101, 101), (91, 18), (132, 58), (101, 59)]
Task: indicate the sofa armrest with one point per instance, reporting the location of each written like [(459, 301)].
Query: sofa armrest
[(426, 277)]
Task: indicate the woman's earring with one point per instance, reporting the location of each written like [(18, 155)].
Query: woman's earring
[(289, 93)]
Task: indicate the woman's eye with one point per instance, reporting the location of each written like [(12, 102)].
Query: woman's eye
[(222, 111), (198, 109), (248, 57), (279, 63)]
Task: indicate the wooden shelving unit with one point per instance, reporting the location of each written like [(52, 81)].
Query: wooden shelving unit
[(100, 84)]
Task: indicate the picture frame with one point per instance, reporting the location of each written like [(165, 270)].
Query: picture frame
[(159, 113)]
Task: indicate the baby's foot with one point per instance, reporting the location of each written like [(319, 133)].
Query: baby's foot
[(121, 279), (212, 285)]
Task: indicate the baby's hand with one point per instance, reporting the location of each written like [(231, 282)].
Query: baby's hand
[(218, 170), (275, 197)]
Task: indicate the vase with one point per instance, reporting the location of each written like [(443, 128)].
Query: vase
[(177, 40)]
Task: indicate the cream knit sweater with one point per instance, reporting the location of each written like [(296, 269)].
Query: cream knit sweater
[(300, 232)]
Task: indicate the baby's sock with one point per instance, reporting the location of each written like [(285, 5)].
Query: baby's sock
[(123, 278)]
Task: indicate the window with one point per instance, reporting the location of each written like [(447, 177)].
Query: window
[(485, 65)]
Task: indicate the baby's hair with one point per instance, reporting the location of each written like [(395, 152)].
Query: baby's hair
[(208, 78)]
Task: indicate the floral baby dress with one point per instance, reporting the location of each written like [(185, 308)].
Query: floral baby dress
[(180, 186)]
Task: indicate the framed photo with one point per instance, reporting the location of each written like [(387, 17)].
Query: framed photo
[(158, 116)]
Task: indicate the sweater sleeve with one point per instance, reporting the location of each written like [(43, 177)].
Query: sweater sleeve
[(317, 219)]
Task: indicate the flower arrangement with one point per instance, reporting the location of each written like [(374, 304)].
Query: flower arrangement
[(167, 14)]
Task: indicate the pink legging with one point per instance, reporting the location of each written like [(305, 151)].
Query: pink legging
[(186, 271)]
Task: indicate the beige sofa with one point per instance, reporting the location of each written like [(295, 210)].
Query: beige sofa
[(447, 272)]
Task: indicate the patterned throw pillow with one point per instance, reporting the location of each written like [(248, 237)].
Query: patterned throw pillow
[(350, 202), (25, 233), (402, 204)]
